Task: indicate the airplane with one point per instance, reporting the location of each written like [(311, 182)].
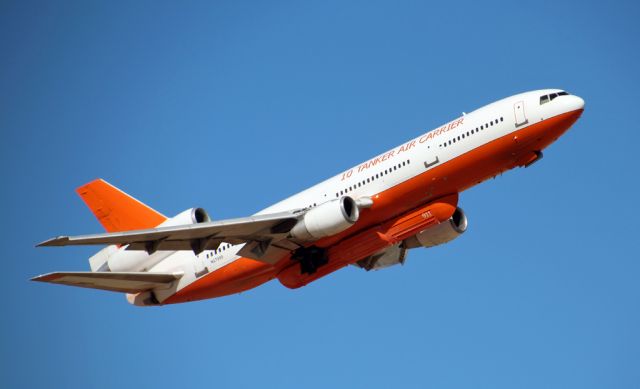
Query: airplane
[(368, 216)]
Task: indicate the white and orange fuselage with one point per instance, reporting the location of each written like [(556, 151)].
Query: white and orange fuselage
[(409, 188)]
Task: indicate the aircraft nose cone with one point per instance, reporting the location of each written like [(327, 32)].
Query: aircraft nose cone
[(576, 103)]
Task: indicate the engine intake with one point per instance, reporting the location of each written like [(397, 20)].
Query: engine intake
[(440, 234), (190, 216), (327, 219)]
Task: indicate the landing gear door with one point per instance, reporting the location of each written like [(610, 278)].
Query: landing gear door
[(521, 118)]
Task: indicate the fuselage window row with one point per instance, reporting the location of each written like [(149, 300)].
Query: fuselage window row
[(373, 178), (219, 250), (471, 132)]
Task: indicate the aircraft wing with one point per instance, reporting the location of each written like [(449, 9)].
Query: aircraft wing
[(260, 232), (126, 282)]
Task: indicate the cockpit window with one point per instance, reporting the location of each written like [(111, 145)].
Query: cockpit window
[(546, 98)]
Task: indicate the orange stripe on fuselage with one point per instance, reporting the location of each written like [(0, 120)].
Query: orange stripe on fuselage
[(453, 176), (238, 276)]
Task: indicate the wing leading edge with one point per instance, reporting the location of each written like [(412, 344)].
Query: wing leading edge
[(259, 231)]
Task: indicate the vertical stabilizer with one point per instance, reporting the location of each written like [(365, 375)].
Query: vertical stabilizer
[(116, 210)]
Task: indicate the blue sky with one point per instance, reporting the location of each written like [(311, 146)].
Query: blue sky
[(234, 105)]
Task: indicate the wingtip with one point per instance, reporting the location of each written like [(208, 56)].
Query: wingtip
[(44, 277), (57, 241)]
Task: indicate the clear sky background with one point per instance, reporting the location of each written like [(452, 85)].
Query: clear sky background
[(234, 105)]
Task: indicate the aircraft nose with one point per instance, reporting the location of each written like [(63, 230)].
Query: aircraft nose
[(575, 103)]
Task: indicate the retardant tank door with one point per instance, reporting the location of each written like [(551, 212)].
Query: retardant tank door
[(521, 118)]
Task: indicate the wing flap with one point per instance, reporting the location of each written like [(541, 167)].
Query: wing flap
[(126, 282), (267, 251)]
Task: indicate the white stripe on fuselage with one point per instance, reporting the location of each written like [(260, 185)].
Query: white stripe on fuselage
[(422, 151)]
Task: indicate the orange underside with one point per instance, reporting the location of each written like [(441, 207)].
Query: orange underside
[(390, 209)]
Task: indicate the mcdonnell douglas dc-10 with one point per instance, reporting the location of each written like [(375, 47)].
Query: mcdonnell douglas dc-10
[(367, 216)]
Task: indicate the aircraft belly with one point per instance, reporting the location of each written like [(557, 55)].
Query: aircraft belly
[(372, 240), (238, 276)]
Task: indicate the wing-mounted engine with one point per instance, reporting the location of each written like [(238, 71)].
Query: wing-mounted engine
[(441, 233), (393, 255), (326, 219)]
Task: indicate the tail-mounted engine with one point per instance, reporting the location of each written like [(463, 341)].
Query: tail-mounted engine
[(190, 216), (115, 259)]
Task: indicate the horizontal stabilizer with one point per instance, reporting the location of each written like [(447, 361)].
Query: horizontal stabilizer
[(126, 282)]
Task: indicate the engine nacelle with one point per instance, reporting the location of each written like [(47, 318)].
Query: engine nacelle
[(124, 260), (327, 219), (190, 216), (440, 234)]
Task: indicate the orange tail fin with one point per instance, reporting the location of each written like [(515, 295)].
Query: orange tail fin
[(116, 210)]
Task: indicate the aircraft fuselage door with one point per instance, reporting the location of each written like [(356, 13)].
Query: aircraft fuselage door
[(199, 266), (521, 118)]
